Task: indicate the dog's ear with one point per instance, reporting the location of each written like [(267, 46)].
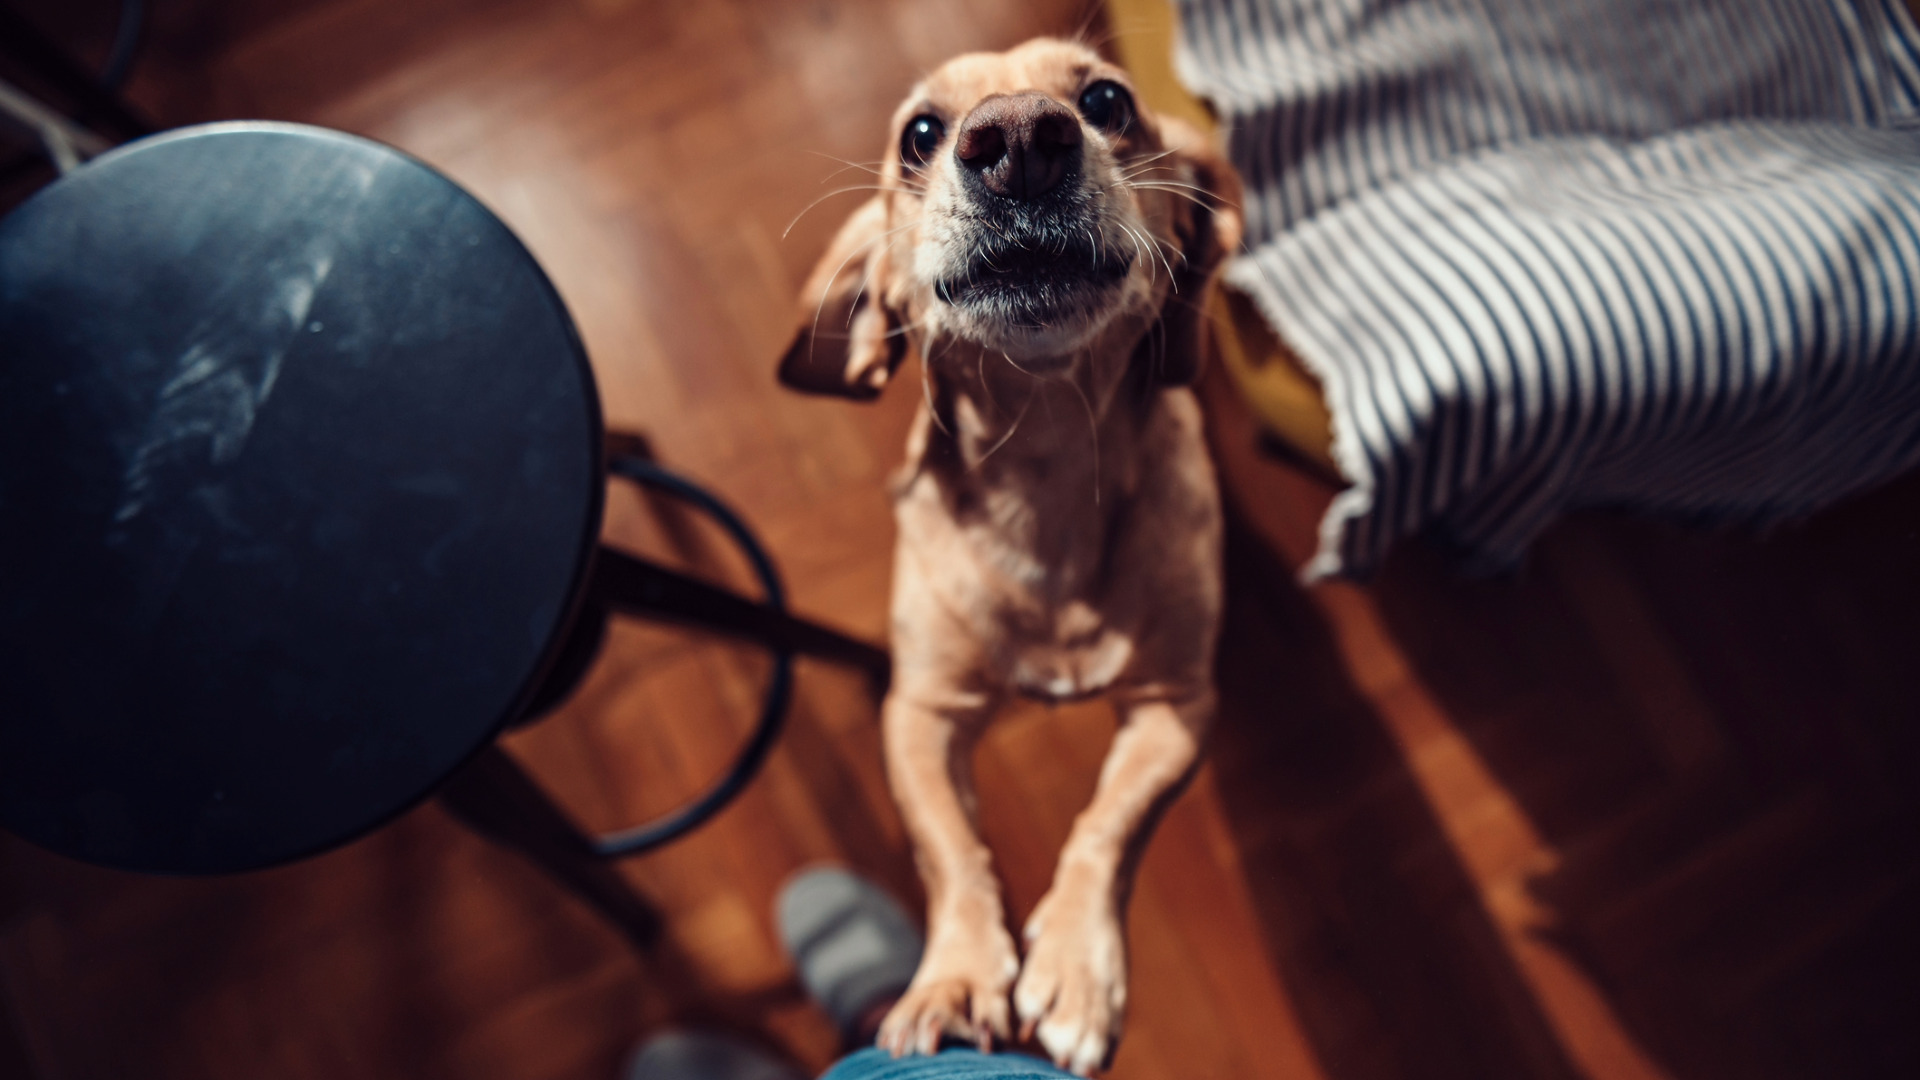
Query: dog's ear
[(847, 342), (1208, 231)]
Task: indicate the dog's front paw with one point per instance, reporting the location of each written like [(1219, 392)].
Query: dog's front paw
[(960, 990), (1073, 988)]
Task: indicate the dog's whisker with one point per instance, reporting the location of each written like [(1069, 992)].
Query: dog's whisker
[(906, 182), (926, 390), (837, 191), (1161, 243), (1204, 198), (873, 167), (1152, 250), (1137, 182), (980, 371), (1147, 161), (907, 328), (1000, 442), (1153, 245), (820, 307), (1016, 366), (1149, 172), (1083, 34), (841, 160), (1168, 246), (851, 167), (867, 272), (1174, 192), (866, 277), (1093, 428), (1033, 391), (1011, 428), (1150, 157), (1137, 253)]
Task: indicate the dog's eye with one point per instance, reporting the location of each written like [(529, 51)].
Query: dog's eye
[(920, 140), (1107, 106)]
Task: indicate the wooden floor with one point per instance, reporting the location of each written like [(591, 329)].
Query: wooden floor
[(1647, 809)]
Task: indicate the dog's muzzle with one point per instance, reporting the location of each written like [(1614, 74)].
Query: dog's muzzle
[(1036, 256), (1035, 275)]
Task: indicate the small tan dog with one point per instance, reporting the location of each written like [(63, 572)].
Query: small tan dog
[(1045, 246)]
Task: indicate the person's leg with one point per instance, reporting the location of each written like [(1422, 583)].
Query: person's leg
[(704, 1055), (854, 946), (955, 1063), (856, 950)]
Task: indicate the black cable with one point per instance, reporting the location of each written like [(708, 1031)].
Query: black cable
[(773, 709), (30, 48), (126, 43)]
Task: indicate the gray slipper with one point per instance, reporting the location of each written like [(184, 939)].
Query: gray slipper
[(851, 941), (699, 1055)]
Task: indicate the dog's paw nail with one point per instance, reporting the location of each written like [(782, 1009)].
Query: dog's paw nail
[(1089, 1055), (1078, 1047), (1032, 1004), (1059, 1040), (990, 1019)]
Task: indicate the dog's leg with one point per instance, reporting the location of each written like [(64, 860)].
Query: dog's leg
[(961, 986), (1073, 987)]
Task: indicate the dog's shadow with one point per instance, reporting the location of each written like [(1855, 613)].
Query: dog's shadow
[(1709, 739), (1394, 973)]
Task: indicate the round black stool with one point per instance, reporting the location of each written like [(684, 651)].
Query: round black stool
[(301, 471)]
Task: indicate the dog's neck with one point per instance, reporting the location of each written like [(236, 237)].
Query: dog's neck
[(1001, 416), (1045, 463)]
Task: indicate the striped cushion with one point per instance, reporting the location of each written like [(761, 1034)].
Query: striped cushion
[(1552, 254)]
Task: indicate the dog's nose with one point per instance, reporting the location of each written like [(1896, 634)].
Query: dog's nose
[(1019, 146)]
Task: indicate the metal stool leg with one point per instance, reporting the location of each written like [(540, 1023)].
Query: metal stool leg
[(495, 795), (496, 798), (630, 585)]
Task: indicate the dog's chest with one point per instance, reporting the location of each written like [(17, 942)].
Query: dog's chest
[(1075, 668), (1043, 612)]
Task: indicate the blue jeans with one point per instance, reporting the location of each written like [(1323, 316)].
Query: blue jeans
[(957, 1064)]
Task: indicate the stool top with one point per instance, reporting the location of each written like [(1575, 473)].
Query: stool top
[(299, 479)]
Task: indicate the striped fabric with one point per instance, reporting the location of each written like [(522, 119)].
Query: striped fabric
[(1544, 254)]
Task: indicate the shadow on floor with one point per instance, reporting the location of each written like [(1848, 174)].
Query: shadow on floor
[(1713, 733)]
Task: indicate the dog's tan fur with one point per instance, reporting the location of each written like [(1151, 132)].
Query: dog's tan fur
[(1059, 536)]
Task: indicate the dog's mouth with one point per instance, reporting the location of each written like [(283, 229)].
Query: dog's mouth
[(1035, 278)]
